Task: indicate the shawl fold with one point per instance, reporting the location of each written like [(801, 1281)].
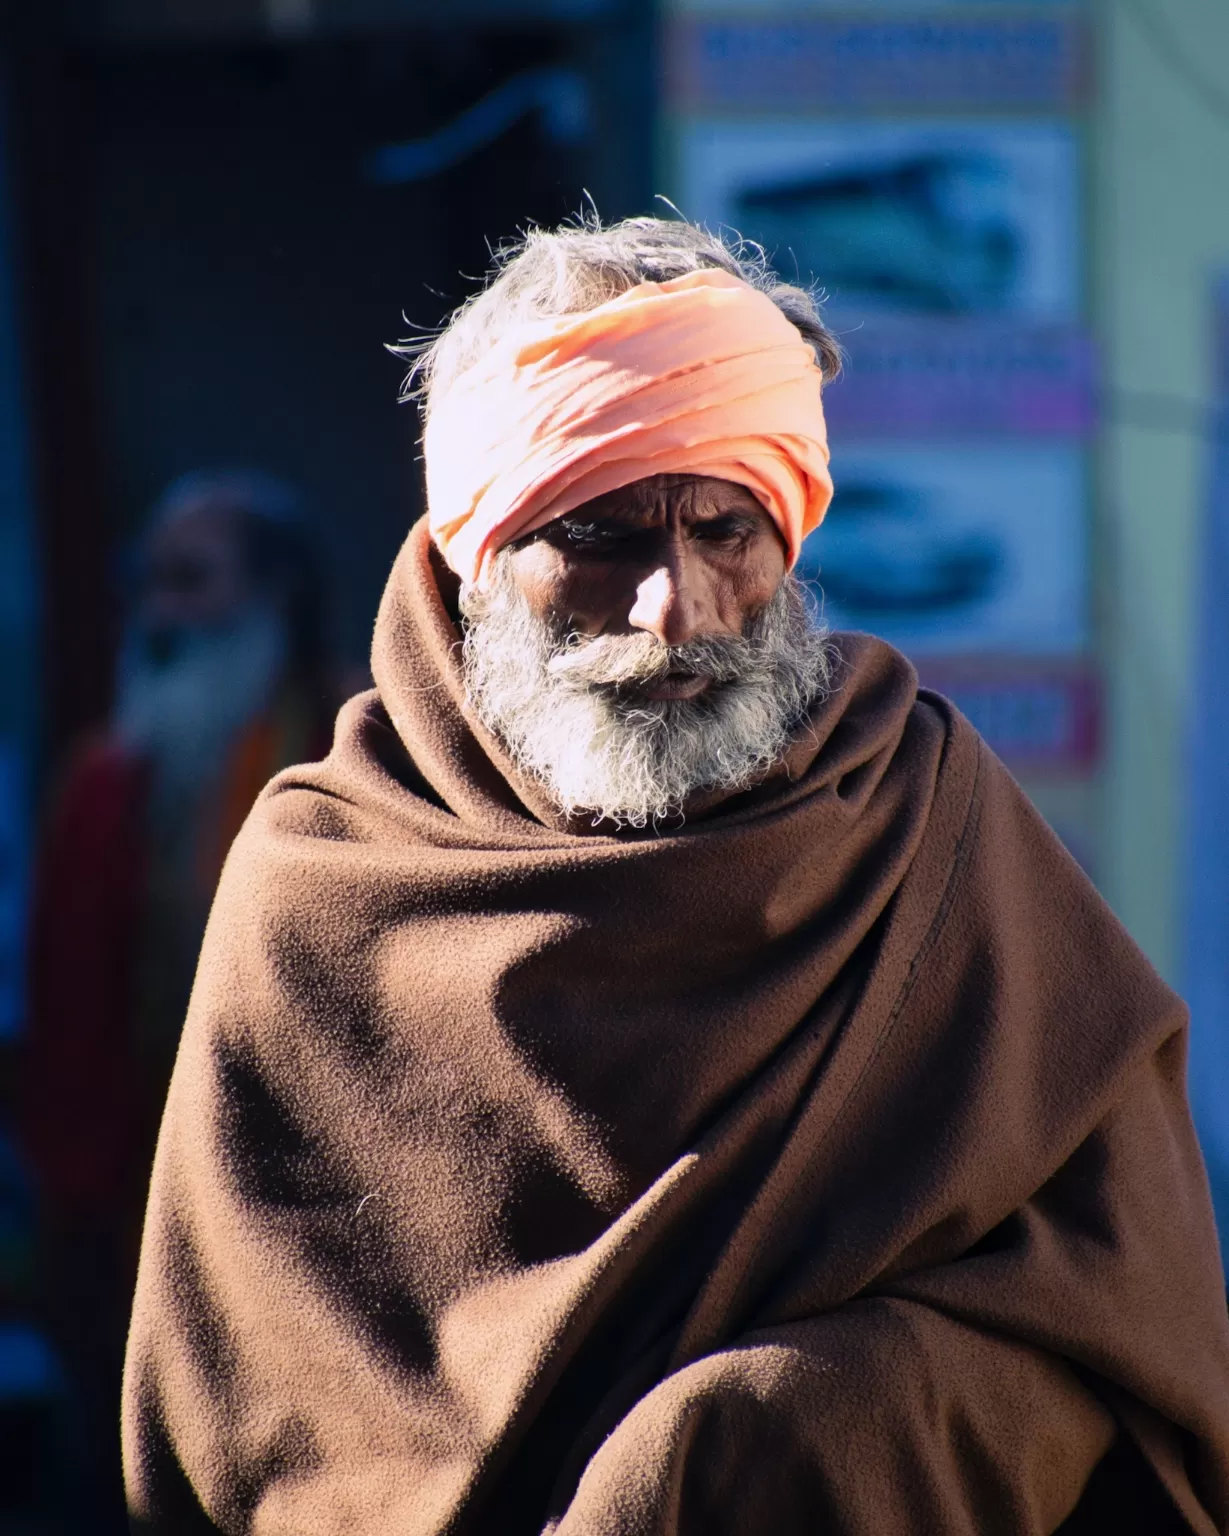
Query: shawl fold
[(821, 1165)]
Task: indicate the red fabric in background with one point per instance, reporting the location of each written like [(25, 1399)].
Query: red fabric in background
[(80, 1113)]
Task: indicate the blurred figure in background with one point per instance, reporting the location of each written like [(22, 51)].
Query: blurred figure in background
[(221, 681)]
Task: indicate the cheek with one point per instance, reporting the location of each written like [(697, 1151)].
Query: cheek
[(580, 593), (749, 583), (534, 569)]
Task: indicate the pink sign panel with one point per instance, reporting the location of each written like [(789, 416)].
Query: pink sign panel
[(853, 62), (963, 377), (1039, 716)]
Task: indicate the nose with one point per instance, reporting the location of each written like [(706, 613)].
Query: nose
[(669, 604)]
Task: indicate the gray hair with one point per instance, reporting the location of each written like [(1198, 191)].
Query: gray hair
[(571, 710), (580, 265)]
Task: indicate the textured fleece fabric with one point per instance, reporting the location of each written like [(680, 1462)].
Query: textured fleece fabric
[(822, 1165)]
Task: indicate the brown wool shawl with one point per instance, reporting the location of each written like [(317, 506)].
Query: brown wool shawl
[(820, 1166)]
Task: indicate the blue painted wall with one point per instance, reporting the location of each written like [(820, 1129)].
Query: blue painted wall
[(1207, 807), (18, 614)]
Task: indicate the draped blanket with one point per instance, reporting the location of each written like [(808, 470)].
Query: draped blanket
[(821, 1165)]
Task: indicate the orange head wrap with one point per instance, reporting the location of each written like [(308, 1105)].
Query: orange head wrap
[(700, 375)]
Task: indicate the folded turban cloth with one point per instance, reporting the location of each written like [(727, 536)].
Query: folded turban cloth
[(700, 375)]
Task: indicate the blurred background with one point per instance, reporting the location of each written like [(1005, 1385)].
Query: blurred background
[(212, 214)]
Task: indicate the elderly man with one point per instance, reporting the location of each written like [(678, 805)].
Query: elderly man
[(658, 1077), (221, 682)]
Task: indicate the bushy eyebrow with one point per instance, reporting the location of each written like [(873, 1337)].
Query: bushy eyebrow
[(733, 519), (750, 511), (595, 524), (749, 516)]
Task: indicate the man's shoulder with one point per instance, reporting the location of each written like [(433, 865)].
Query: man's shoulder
[(334, 799), (1006, 892), (319, 830)]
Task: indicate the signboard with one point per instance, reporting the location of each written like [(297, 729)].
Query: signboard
[(949, 254), (1041, 718), (963, 378), (956, 551), (860, 62), (943, 219)]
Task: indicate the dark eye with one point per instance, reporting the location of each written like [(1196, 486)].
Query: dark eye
[(724, 530), (593, 536)]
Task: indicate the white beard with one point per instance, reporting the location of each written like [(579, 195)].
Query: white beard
[(186, 712), (567, 708)]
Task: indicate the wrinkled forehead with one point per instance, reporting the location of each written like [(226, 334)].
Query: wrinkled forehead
[(658, 498)]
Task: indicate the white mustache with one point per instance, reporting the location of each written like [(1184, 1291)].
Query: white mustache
[(567, 706), (625, 661)]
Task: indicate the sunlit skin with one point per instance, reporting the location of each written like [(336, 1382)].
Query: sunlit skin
[(676, 556)]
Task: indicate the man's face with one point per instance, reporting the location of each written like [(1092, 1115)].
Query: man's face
[(677, 557), (195, 572), (645, 649), (205, 648)]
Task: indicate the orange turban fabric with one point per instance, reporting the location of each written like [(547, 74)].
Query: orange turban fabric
[(700, 375)]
